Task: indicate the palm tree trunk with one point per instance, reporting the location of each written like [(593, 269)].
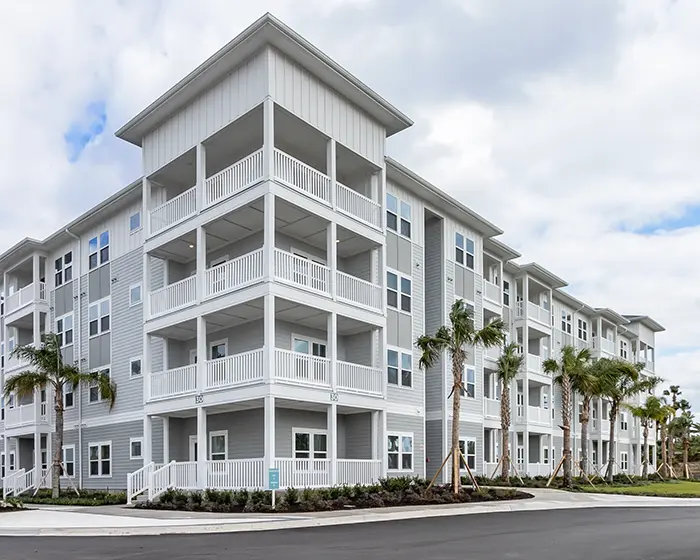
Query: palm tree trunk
[(566, 427), (457, 373), (611, 443), (584, 433), (669, 453), (686, 445), (645, 448), (57, 469), (664, 451), (505, 429)]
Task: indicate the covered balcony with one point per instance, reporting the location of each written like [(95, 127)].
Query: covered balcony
[(25, 286), (492, 395), (492, 283), (534, 303)]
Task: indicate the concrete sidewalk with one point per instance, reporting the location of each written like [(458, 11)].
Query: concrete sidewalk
[(120, 520)]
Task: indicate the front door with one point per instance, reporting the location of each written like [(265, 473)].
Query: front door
[(193, 448)]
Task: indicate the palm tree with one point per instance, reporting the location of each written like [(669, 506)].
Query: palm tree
[(681, 427), (570, 364), (508, 366), (674, 391), (662, 419), (647, 413), (623, 381), (454, 339), (48, 370)]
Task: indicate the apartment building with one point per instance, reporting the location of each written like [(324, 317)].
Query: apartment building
[(257, 294)]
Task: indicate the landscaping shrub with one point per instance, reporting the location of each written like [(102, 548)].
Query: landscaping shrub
[(69, 498)]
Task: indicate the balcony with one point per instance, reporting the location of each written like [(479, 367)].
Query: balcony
[(539, 314), (234, 274), (356, 378), (492, 292), (302, 273), (173, 297), (605, 427), (492, 408), (539, 415), (24, 296), (25, 415), (359, 292), (234, 371), (493, 352), (539, 469), (534, 364), (607, 346), (234, 179), (174, 382)]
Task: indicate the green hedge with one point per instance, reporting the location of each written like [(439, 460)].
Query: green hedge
[(69, 498)]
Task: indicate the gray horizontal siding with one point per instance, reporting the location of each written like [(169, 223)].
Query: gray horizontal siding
[(399, 423)]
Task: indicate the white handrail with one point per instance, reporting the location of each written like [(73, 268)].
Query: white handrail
[(301, 176), (234, 274), (235, 178), (173, 296), (138, 481), (173, 211), (355, 378), (302, 369), (358, 206), (174, 382), (233, 474), (239, 369), (302, 272), (358, 291)]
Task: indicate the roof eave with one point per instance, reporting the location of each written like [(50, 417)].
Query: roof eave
[(500, 249), (544, 275)]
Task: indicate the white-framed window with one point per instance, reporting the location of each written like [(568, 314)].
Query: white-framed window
[(64, 329), (100, 459), (506, 293), (623, 421), (98, 250), (623, 460), (135, 297), (311, 346), (398, 215), (469, 381), (135, 222), (594, 416), (64, 269), (99, 317), (2, 465), (468, 448), (135, 367), (545, 455), (399, 368), (310, 444), (11, 461), (94, 394), (398, 291), (464, 250), (218, 445), (565, 321), (218, 349), (68, 396), (624, 349), (135, 448), (400, 451), (582, 330)]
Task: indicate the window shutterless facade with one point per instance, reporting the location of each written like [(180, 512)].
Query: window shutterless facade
[(99, 317), (69, 460), (135, 222), (218, 445), (400, 452), (468, 448), (135, 367), (399, 368), (135, 295), (398, 291), (583, 330), (98, 250), (506, 293), (68, 397), (64, 329), (469, 381), (135, 448), (100, 459), (624, 349), (64, 269), (565, 321), (464, 250), (94, 394), (310, 444), (398, 216)]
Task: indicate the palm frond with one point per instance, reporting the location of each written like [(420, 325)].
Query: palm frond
[(493, 334), (432, 347), (509, 363), (102, 380), (25, 383)]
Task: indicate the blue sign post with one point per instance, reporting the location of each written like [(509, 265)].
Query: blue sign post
[(273, 483)]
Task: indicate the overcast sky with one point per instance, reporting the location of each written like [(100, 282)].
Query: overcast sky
[(574, 126)]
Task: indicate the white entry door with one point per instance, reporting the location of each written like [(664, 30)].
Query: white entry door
[(193, 448)]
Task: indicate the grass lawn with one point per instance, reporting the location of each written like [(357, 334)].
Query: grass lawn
[(670, 489)]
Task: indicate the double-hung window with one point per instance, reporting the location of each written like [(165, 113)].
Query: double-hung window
[(582, 330), (464, 250), (100, 459), (468, 449), (506, 293), (135, 448), (69, 460), (623, 349), (64, 269), (68, 399), (398, 291), (64, 330), (99, 317), (310, 444), (469, 382), (94, 393), (565, 321), (98, 250), (218, 445), (400, 452), (398, 215), (399, 369), (623, 460), (623, 421), (135, 222)]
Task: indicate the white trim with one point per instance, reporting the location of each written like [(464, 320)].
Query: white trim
[(63, 330), (3, 466), (400, 452), (398, 215), (99, 249), (100, 445), (12, 460), (71, 392), (223, 341), (212, 435), (140, 226), (63, 458), (218, 261), (401, 352), (311, 341), (131, 361), (306, 255), (133, 440), (466, 454), (192, 441), (133, 303), (98, 304), (399, 277), (312, 432), (102, 369)]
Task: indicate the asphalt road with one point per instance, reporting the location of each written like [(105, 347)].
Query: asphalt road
[(600, 534)]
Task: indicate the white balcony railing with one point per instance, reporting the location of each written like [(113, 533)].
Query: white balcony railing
[(490, 469), (539, 415), (138, 481), (354, 378), (234, 274), (174, 382), (25, 296), (605, 345), (358, 291), (492, 408), (492, 292), (24, 415), (539, 469), (302, 272), (534, 363), (539, 314), (234, 474), (302, 177), (173, 211), (358, 471), (173, 296), (13, 363), (303, 473), (239, 369), (358, 205), (181, 475), (239, 176), (302, 369), (493, 352)]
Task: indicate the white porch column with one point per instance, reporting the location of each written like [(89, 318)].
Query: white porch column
[(147, 367), (331, 165), (36, 276), (269, 459), (374, 435), (202, 354), (147, 286), (146, 205), (202, 453), (269, 237), (147, 439), (268, 138), (269, 339), (332, 254), (201, 171), (201, 248), (383, 442), (332, 349), (332, 421), (166, 439), (37, 456)]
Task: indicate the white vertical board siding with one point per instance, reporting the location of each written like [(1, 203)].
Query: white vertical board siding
[(302, 94), (451, 228), (235, 95)]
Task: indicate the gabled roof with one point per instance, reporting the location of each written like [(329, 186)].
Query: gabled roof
[(576, 304), (500, 249), (438, 198), (646, 321), (543, 275), (613, 316), (267, 30)]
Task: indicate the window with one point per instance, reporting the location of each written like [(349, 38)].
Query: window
[(135, 295), (68, 400), (218, 445), (400, 452), (623, 421), (69, 460), (135, 448), (545, 455), (398, 215), (464, 250), (468, 449), (218, 349), (135, 367), (623, 349), (469, 381), (94, 394), (399, 369), (2, 465), (309, 346), (623, 460), (64, 330), (506, 293), (310, 444), (582, 329), (397, 285), (99, 316), (100, 459), (11, 463), (64, 269), (135, 222), (98, 250), (565, 322)]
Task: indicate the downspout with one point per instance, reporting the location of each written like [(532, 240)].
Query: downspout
[(78, 338)]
